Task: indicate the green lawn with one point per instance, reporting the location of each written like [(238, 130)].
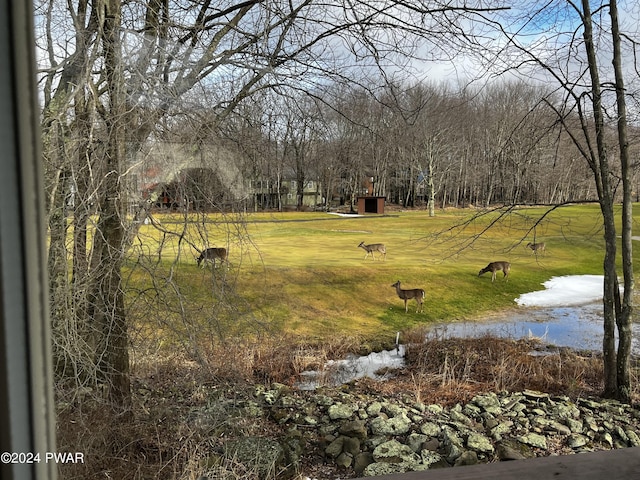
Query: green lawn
[(303, 274)]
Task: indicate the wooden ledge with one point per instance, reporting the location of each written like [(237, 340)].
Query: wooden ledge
[(623, 464)]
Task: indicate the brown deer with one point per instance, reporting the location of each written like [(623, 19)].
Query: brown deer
[(407, 295), (374, 247), (211, 254), (537, 247), (495, 267)]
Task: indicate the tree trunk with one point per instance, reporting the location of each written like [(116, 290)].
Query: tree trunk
[(602, 175), (624, 313), (431, 190), (108, 310)]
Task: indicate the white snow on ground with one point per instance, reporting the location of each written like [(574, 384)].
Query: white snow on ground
[(567, 291)]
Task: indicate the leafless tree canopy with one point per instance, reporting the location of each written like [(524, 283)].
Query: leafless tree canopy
[(235, 105)]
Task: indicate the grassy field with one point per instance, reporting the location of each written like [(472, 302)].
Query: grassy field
[(298, 292), (302, 274)]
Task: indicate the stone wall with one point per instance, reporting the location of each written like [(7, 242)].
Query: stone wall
[(370, 436)]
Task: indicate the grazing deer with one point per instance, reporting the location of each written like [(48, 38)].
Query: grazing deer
[(537, 247), (407, 295), (495, 267), (211, 254), (374, 247)]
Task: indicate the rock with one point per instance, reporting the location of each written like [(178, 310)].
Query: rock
[(355, 428), (277, 390), (479, 443), (576, 440), (430, 458), (467, 458), (432, 445), (459, 417), (374, 409), (574, 425), (501, 429), (378, 469), (489, 403), (391, 426), (394, 452), (334, 449), (430, 429), (590, 404), (634, 439), (362, 461), (416, 441), (508, 450), (435, 409), (344, 460), (351, 445), (322, 400), (607, 439), (341, 411), (533, 439), (565, 410), (452, 443), (535, 395)]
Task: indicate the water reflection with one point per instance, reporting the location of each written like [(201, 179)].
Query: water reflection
[(578, 327)]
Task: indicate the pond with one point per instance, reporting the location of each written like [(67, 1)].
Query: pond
[(578, 327), (567, 313)]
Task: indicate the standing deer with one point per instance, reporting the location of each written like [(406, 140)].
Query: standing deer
[(211, 254), (495, 267), (407, 295), (374, 247), (536, 247)]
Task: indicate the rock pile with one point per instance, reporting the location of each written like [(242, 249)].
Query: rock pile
[(376, 436)]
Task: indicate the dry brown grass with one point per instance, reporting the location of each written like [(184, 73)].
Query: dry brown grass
[(451, 371)]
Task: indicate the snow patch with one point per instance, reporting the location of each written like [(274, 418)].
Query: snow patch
[(566, 291)]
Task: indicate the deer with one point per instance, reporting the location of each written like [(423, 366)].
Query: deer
[(211, 254), (374, 247), (536, 247), (407, 295), (495, 267)]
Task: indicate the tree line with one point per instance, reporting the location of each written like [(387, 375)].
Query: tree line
[(422, 145)]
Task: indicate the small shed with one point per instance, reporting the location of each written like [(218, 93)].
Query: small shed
[(371, 204)]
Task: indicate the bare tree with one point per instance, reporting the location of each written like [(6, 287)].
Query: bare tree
[(587, 91), (130, 67)]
